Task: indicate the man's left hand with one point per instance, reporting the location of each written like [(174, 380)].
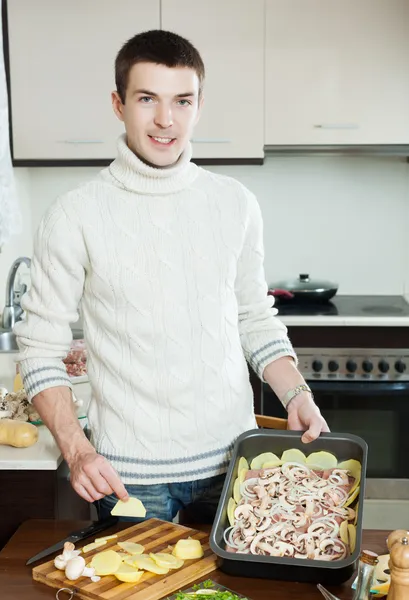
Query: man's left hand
[(304, 415)]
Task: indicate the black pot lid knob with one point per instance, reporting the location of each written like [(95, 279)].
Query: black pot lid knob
[(304, 277)]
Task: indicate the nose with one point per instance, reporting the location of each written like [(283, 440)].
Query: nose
[(163, 116)]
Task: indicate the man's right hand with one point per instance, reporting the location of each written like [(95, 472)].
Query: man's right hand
[(93, 477)]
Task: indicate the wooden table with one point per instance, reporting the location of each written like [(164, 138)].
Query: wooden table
[(35, 535)]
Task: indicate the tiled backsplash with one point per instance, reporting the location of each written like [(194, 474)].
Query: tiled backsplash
[(340, 218)]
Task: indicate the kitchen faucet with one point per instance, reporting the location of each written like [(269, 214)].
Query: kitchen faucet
[(12, 311)]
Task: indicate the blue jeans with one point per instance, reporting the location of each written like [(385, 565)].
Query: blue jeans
[(164, 500)]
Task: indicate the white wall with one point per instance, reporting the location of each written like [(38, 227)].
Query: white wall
[(19, 244), (339, 218)]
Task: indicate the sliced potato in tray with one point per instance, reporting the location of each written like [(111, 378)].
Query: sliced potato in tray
[(321, 460), (266, 457)]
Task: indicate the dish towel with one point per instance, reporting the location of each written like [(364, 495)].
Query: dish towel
[(10, 215)]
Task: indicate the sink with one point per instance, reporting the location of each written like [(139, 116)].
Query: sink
[(8, 341)]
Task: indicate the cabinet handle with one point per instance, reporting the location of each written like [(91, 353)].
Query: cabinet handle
[(80, 141), (210, 141), (337, 126)]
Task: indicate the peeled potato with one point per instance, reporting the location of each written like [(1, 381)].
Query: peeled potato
[(242, 475), (293, 455), (94, 545), (168, 561), (352, 497), (188, 549), (236, 490), (270, 464), (106, 538), (231, 507), (352, 537), (147, 564), (128, 574), (322, 460), (265, 457), (354, 468), (106, 563), (343, 532), (131, 508), (131, 547), (243, 464)]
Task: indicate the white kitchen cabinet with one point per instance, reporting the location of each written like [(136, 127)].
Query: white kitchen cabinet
[(229, 35), (337, 72), (62, 73)]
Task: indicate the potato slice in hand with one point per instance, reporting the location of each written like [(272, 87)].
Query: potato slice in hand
[(131, 508), (167, 561), (131, 547), (188, 549), (128, 574), (106, 563)]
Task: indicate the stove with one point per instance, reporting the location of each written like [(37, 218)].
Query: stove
[(359, 375), (343, 355), (348, 306)]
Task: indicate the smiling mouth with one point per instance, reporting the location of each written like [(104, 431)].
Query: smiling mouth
[(165, 141)]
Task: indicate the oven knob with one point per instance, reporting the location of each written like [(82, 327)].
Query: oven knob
[(383, 366), (351, 366), (333, 366), (400, 366), (317, 366), (367, 366)]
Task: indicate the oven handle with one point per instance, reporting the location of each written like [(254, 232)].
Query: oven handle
[(365, 388)]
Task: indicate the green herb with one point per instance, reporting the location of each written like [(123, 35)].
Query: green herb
[(207, 594)]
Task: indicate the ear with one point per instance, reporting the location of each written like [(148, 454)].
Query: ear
[(199, 110), (117, 105)]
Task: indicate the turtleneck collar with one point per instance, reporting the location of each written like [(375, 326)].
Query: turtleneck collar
[(131, 173)]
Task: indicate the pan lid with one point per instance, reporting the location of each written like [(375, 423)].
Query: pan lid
[(304, 283)]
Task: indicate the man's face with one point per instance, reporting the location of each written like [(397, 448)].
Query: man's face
[(161, 109)]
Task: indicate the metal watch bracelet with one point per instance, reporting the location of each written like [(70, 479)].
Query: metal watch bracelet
[(291, 394)]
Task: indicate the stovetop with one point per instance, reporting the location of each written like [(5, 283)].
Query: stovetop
[(348, 306)]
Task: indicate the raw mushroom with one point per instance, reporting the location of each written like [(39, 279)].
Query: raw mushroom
[(76, 568), (69, 552)]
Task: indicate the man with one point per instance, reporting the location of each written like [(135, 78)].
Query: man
[(166, 262)]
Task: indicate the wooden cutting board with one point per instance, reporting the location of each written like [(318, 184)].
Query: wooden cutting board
[(155, 535)]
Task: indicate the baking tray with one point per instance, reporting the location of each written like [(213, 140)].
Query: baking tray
[(254, 442)]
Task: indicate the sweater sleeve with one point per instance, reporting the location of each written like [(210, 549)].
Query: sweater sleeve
[(263, 336), (57, 279)]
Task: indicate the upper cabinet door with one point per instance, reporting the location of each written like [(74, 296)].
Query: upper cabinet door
[(62, 74), (229, 35), (337, 72)]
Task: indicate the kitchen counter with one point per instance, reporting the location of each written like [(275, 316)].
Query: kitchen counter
[(16, 582), (339, 321), (43, 455)]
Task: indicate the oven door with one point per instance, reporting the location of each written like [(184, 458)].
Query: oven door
[(377, 411)]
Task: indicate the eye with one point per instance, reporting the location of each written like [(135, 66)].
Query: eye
[(145, 99), (184, 102)]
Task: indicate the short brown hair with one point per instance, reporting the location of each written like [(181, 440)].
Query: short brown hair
[(159, 47)]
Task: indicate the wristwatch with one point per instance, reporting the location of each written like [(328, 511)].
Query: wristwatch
[(294, 392)]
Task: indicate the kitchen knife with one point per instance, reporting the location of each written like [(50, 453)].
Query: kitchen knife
[(75, 536)]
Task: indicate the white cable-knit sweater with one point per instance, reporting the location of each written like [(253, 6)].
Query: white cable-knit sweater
[(167, 266)]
